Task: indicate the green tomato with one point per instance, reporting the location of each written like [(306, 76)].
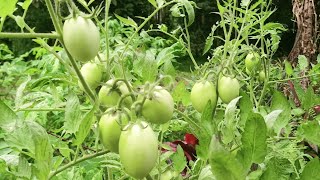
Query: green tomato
[(110, 129), (202, 92), (81, 37), (228, 88), (252, 62), (158, 108), (109, 97), (262, 75), (138, 149), (92, 74)]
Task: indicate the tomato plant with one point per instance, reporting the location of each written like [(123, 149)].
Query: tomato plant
[(92, 74), (109, 95), (110, 126), (51, 132), (201, 93), (228, 88), (138, 149), (81, 38), (158, 106)]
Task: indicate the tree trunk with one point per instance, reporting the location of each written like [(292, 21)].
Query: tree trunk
[(307, 29)]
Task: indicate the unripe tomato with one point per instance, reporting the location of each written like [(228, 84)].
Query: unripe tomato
[(81, 38), (262, 75), (252, 62), (109, 97), (228, 88), (201, 93), (92, 74), (138, 149), (110, 129), (158, 108)]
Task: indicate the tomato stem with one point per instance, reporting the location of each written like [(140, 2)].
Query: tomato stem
[(189, 120)]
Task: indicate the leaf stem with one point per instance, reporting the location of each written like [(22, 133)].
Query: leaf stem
[(189, 44), (52, 174), (12, 35), (189, 120), (296, 78)]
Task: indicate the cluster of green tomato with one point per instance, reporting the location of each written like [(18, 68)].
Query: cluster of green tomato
[(124, 127), (125, 131), (205, 91)]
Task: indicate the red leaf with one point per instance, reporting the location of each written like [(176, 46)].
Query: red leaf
[(317, 109), (191, 139)]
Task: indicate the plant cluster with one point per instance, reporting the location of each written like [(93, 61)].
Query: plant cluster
[(106, 101)]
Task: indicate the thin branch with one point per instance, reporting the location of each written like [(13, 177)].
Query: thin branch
[(12, 35), (52, 174)]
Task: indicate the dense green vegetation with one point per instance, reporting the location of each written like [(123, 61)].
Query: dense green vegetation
[(163, 90)]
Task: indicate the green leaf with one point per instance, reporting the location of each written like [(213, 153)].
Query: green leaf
[(288, 68), (7, 115), (245, 3), (164, 55), (207, 126), (207, 122), (209, 40), (153, 2), (85, 126), (310, 131), (271, 118), (25, 5), (175, 11), (254, 139), (128, 21), (146, 67), (19, 94), (168, 69), (181, 94), (43, 150), (224, 165), (7, 7), (24, 169), (308, 99), (179, 160), (160, 2), (72, 114), (276, 169), (206, 174), (311, 170), (32, 139), (221, 8), (19, 137), (280, 102), (229, 127), (246, 107), (303, 62), (20, 21), (189, 9)]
